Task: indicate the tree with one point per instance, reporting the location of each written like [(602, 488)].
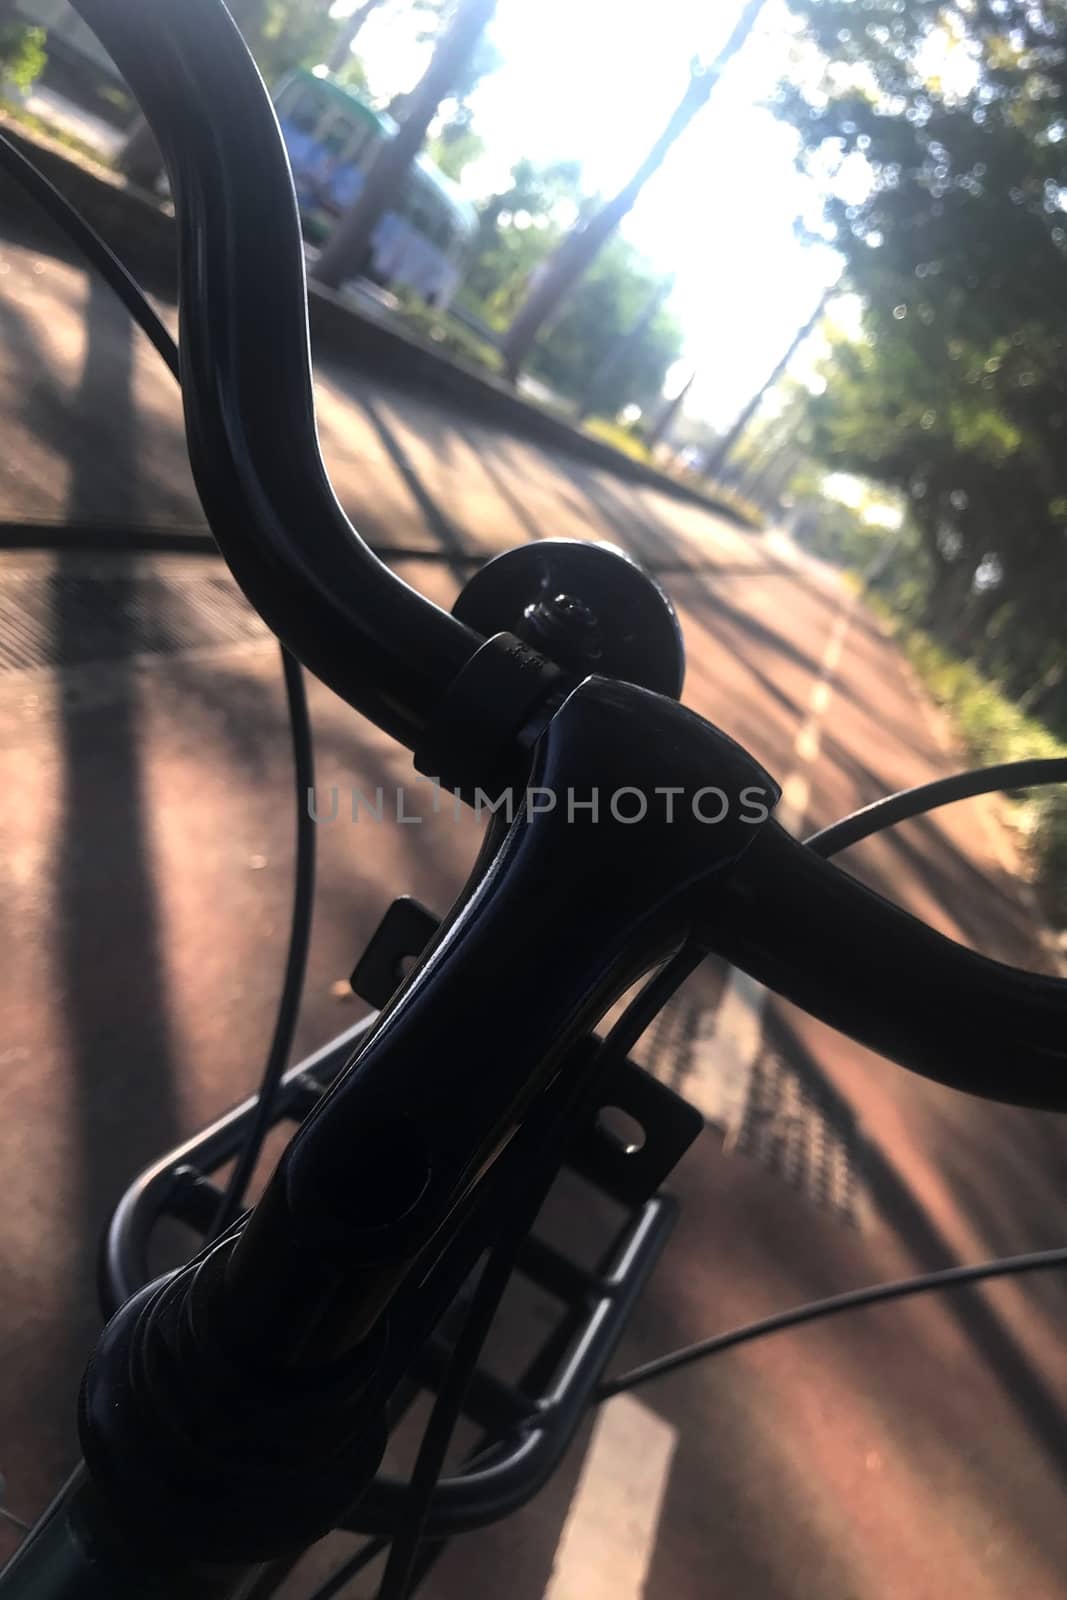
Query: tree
[(282, 34), (518, 228), (617, 329), (347, 34), (599, 314), (602, 382), (456, 146), (456, 143), (957, 393), (735, 431), (22, 53), (579, 249), (348, 247), (663, 425)]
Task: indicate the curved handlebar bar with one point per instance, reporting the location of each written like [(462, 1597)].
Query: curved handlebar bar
[(863, 965), (800, 925), (246, 372)]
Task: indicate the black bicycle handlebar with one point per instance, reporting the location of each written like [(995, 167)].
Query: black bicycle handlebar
[(282, 1324), (802, 926), (872, 970), (246, 372)]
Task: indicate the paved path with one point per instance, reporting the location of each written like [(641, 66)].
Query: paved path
[(144, 879)]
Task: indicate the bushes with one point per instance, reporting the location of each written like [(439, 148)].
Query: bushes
[(22, 56), (618, 436), (448, 334), (995, 730), (992, 728)]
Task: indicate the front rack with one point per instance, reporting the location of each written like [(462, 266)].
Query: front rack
[(527, 1426)]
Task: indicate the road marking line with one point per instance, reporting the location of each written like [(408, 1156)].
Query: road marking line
[(728, 1040), (608, 1539), (808, 742), (793, 806)]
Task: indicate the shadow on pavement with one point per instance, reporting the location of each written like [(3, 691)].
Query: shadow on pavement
[(485, 458), (112, 989), (1040, 1407), (988, 915), (438, 523), (115, 992)]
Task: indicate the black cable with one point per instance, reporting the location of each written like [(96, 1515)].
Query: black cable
[(941, 792), (827, 842), (111, 269), (281, 1044), (92, 246), (851, 1300), (531, 1190)]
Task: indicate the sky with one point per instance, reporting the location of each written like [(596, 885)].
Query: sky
[(596, 80)]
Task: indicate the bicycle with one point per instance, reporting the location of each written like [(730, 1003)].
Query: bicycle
[(238, 1408)]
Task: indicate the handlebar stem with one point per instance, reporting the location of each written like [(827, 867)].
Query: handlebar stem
[(634, 813)]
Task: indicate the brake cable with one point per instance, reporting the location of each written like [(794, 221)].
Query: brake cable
[(829, 842)]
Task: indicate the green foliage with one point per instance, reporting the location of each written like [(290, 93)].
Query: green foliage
[(603, 307), (994, 730), (456, 145), (1050, 852), (292, 33), (448, 335), (956, 395), (88, 154), (838, 534), (619, 436), (22, 54), (518, 230), (991, 727), (353, 75)]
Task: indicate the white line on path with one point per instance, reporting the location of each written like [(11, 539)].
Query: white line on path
[(608, 1539), (728, 1039)]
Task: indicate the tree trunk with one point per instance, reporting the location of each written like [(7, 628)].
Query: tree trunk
[(346, 38), (717, 460), (1033, 698), (663, 424), (139, 157), (948, 596), (348, 247), (579, 249), (621, 348)]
